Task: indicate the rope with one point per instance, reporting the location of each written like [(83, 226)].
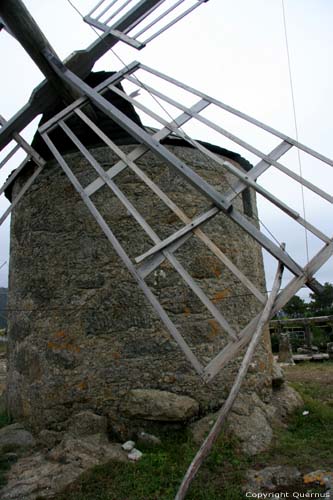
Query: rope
[(291, 83)]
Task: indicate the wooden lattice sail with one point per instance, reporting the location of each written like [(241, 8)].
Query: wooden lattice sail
[(136, 23)]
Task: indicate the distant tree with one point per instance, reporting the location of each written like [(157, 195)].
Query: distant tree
[(322, 304), (296, 308)]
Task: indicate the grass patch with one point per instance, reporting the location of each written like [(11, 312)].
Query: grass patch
[(159, 473), (307, 443), (5, 463)]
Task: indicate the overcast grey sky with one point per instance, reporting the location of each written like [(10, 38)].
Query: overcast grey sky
[(236, 52)]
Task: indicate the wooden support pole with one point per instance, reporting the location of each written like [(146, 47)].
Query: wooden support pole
[(228, 404)]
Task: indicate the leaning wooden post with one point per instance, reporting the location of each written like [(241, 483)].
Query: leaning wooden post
[(216, 429)]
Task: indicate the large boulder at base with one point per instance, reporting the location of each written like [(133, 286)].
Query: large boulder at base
[(86, 423), (253, 430), (16, 436), (286, 400), (249, 420), (278, 378), (271, 478), (151, 404), (42, 476)]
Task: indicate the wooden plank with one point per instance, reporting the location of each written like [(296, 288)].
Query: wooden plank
[(141, 150), (141, 135), (248, 179), (96, 7), (137, 153), (268, 160), (81, 63), (310, 320), (149, 265), (174, 21), (117, 11), (105, 9), (229, 402), (13, 175), (9, 155), (127, 39), (236, 112), (282, 299), (137, 216), (259, 169), (159, 18), (20, 194), (180, 167), (29, 35), (125, 259), (101, 87), (198, 221)]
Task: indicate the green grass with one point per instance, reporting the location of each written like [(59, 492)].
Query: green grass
[(4, 462), (159, 473), (307, 443)]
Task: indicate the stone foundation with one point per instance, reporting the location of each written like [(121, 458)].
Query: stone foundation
[(81, 334)]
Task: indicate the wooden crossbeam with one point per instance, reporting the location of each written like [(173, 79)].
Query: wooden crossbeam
[(229, 402)]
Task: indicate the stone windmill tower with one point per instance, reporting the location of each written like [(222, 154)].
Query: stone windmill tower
[(136, 266)]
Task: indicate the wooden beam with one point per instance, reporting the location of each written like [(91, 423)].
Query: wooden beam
[(80, 62), (228, 404), (27, 32), (314, 319)]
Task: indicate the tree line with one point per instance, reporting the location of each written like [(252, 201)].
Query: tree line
[(319, 304)]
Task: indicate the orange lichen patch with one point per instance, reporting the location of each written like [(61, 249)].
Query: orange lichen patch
[(82, 386), (216, 271), (187, 311), (63, 347), (116, 355), (60, 335), (261, 365), (220, 295), (214, 328), (319, 477)]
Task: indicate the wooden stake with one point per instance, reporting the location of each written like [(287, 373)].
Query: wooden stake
[(228, 404)]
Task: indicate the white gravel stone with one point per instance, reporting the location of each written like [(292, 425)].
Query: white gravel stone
[(135, 455), (128, 446)]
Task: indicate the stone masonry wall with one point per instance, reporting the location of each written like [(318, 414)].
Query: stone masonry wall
[(81, 334)]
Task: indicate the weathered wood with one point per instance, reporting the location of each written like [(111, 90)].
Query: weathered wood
[(229, 352), (13, 175), (302, 321), (141, 135), (29, 35), (174, 21), (159, 18), (145, 226), (81, 63), (236, 112), (259, 169), (141, 150), (174, 162), (253, 174), (198, 221), (228, 404), (20, 194), (9, 155), (127, 160)]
